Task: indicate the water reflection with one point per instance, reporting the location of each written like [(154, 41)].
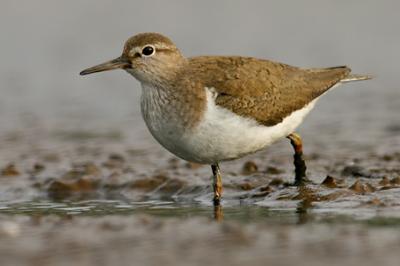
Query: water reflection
[(303, 214), (303, 211), (218, 213), (299, 216)]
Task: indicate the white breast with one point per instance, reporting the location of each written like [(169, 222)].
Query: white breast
[(161, 118), (221, 134)]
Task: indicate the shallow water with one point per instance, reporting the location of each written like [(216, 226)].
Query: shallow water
[(163, 210)]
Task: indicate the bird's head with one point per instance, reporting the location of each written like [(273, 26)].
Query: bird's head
[(149, 57)]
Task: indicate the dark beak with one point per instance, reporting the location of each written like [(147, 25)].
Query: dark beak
[(117, 63)]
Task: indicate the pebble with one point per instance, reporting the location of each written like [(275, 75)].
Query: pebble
[(329, 182), (10, 170), (249, 168)]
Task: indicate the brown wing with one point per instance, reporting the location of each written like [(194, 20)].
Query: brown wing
[(264, 90)]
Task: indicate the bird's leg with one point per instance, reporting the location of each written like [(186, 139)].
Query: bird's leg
[(299, 164), (217, 184)]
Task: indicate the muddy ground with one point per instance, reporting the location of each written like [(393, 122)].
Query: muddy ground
[(98, 200)]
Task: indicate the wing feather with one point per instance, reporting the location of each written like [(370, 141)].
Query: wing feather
[(263, 90)]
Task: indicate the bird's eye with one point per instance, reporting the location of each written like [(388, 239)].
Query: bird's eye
[(148, 50)]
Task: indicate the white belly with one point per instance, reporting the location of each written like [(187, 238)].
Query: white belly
[(221, 135)]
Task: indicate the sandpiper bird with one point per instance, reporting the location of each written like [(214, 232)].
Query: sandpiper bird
[(210, 109)]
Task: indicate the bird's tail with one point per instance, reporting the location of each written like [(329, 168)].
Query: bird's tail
[(355, 77)]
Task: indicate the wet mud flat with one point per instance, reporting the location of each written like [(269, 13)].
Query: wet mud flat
[(104, 201), (144, 239)]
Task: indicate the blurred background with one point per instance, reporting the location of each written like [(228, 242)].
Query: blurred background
[(82, 182)]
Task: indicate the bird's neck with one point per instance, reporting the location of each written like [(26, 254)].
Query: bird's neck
[(174, 104)]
